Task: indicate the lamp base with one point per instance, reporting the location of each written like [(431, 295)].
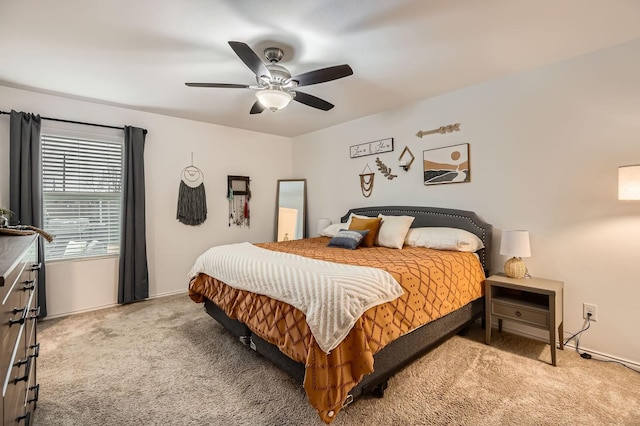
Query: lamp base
[(515, 268)]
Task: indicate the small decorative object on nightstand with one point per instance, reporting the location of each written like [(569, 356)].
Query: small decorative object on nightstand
[(536, 302), (516, 244)]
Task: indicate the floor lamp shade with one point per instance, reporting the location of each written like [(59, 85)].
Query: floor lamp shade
[(515, 244), (629, 182)]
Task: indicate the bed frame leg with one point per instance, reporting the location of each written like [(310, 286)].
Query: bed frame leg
[(378, 391)]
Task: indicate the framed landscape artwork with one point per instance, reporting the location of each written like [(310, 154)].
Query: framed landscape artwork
[(447, 165)]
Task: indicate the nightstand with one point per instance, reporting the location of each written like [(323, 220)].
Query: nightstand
[(535, 302)]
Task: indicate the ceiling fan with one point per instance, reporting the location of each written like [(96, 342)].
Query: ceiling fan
[(276, 87)]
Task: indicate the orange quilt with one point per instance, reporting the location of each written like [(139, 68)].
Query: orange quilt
[(435, 283)]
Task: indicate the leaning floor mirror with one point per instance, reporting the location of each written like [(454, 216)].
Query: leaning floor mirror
[(291, 209)]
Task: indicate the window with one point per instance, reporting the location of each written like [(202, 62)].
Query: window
[(82, 189)]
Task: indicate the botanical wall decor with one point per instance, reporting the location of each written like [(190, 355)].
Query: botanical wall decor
[(447, 165), (370, 148), (386, 171), (442, 129)]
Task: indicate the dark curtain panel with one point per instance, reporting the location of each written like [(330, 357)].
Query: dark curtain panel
[(133, 280), (25, 184)]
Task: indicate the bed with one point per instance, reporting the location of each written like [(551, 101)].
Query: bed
[(372, 351)]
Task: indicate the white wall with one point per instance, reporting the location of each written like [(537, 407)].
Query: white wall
[(172, 247), (544, 149)]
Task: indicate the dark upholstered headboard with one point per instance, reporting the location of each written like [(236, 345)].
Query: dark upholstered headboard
[(435, 216)]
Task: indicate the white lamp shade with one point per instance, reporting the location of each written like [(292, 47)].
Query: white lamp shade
[(515, 243), (629, 182), (273, 99), (323, 222)]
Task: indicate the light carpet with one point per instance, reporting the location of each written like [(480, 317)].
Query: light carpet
[(166, 362)]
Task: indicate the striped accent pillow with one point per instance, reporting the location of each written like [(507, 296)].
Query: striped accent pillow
[(349, 239)]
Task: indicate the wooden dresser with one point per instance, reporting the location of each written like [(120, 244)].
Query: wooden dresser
[(20, 348)]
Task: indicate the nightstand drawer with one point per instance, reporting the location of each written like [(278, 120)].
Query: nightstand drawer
[(531, 316)]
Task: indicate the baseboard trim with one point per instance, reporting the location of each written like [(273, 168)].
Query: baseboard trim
[(112, 305), (80, 311), (169, 293), (600, 355)]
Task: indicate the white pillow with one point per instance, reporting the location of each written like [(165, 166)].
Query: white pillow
[(393, 230), (332, 230), (443, 239)]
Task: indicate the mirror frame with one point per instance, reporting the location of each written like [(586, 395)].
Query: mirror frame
[(304, 206)]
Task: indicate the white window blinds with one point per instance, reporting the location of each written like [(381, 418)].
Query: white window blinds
[(82, 189)]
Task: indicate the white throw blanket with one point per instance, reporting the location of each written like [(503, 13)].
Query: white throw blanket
[(331, 295)]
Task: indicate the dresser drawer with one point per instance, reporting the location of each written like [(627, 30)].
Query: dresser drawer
[(529, 315), (33, 352), (18, 324), (13, 277), (14, 313), (15, 383)]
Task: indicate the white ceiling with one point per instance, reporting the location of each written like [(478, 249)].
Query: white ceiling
[(139, 53)]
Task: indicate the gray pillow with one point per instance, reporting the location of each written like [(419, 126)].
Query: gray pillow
[(349, 239)]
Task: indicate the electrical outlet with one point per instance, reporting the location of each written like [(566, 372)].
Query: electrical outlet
[(589, 308)]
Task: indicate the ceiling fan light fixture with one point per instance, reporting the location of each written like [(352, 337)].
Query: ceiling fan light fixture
[(275, 86), (273, 99)]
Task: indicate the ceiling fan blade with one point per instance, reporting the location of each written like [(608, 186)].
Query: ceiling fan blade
[(322, 75), (257, 108), (250, 59), (312, 101), (222, 85)]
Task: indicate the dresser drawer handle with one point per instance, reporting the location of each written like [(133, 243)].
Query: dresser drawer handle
[(26, 417), (36, 312), (36, 393), (20, 362), (28, 285), (36, 266), (25, 312), (36, 352), (24, 378), (518, 314)]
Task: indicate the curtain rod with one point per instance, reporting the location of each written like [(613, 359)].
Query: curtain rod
[(76, 122)]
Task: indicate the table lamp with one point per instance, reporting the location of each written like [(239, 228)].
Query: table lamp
[(515, 244)]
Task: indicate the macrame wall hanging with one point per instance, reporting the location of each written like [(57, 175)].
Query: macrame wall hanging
[(366, 181), (238, 194), (192, 199)]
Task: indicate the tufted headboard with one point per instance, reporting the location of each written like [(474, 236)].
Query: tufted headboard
[(435, 216)]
